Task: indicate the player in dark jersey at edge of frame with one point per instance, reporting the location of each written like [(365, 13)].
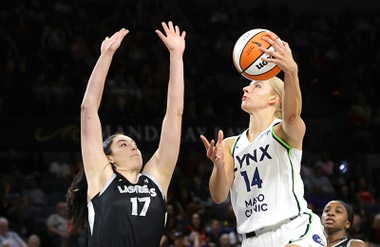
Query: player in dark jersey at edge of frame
[(337, 218), (118, 200), (260, 168)]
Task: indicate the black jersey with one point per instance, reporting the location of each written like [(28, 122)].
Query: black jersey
[(127, 215), (344, 243)]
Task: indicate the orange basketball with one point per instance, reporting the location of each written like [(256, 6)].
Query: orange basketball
[(247, 56)]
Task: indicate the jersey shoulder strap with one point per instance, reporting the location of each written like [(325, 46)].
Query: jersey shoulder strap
[(234, 145)]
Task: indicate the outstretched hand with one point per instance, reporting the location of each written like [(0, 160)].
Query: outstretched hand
[(214, 151), (282, 54), (113, 43), (174, 39)]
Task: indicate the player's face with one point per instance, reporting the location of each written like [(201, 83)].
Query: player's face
[(335, 216), (125, 152), (256, 95)]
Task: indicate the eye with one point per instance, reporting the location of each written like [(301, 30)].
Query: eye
[(123, 145), (257, 86)]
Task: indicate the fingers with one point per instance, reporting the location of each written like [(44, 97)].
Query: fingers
[(160, 34), (278, 48), (165, 26), (220, 137), (171, 27), (205, 142), (119, 34), (274, 41), (209, 146), (212, 148)]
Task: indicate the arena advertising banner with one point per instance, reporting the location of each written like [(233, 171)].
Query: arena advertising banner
[(64, 134)]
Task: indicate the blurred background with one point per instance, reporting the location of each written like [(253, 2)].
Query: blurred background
[(48, 50)]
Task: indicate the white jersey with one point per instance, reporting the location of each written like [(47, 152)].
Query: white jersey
[(267, 187)]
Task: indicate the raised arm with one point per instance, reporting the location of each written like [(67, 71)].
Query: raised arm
[(94, 160), (165, 158), (292, 127), (223, 173)]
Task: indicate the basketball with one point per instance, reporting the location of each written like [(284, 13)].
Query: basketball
[(247, 56)]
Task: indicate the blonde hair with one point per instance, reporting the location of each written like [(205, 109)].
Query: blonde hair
[(278, 89)]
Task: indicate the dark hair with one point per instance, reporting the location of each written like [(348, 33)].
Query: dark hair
[(76, 196), (350, 212), (108, 142), (76, 200)]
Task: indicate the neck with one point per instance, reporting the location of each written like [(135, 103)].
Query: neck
[(257, 125), (131, 176), (118, 168), (335, 238)]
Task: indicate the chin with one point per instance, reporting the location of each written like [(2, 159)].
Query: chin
[(243, 107)]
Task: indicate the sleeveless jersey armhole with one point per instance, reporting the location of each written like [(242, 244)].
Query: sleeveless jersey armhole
[(234, 144), (156, 182), (282, 142)]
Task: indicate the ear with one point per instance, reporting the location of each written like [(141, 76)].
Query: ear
[(347, 225), (110, 159), (273, 99)]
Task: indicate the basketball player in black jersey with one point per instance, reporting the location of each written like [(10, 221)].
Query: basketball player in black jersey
[(336, 219), (121, 203)]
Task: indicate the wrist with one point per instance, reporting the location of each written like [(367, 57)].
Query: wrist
[(108, 53), (176, 54)]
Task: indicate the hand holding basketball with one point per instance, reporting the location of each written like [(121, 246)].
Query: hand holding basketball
[(281, 55), (249, 56)]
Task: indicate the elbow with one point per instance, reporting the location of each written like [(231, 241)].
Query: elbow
[(88, 111), (292, 117), (218, 199), (87, 106), (178, 113), (84, 109)]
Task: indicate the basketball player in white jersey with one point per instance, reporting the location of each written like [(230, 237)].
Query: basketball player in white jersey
[(260, 168)]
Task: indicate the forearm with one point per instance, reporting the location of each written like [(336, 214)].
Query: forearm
[(218, 184), (175, 101), (292, 99), (95, 86)]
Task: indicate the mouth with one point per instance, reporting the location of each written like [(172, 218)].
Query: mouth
[(329, 221)]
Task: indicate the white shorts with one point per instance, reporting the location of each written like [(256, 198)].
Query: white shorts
[(306, 230)]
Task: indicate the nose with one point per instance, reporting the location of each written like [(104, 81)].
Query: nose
[(245, 89), (330, 213), (134, 147)]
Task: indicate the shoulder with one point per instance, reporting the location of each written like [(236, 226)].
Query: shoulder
[(229, 142), (357, 243)]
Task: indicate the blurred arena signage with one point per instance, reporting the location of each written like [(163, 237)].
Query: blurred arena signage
[(56, 134)]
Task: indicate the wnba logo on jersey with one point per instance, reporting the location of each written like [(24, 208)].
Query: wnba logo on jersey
[(318, 239), (138, 189)]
